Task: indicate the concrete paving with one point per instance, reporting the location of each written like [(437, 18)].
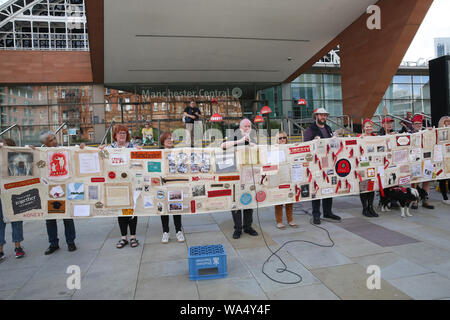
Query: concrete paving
[(413, 255)]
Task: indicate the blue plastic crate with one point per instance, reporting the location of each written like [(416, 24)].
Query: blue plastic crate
[(207, 262)]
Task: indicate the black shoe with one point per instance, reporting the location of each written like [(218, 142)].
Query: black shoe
[(332, 216), (72, 247), (251, 231), (51, 249), (372, 212), (236, 234), (366, 213), (316, 220)]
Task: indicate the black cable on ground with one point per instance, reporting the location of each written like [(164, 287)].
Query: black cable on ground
[(274, 253)]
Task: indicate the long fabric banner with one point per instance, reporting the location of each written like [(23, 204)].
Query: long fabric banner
[(57, 183)]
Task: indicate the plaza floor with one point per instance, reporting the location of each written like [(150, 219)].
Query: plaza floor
[(413, 255)]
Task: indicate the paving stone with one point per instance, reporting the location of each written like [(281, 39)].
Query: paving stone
[(424, 287), (349, 282)]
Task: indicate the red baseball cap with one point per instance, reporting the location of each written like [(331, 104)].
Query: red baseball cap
[(387, 119), (367, 120), (417, 118)]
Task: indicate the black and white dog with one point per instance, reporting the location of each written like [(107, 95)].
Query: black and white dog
[(405, 196)]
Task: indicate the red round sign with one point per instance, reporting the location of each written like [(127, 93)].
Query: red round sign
[(260, 196), (343, 168), (111, 174)]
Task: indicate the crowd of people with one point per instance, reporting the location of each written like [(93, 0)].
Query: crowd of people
[(242, 219)]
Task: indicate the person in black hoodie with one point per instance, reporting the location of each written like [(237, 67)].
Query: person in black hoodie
[(320, 130)]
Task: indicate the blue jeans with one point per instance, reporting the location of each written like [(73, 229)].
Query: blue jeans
[(52, 231), (17, 229)]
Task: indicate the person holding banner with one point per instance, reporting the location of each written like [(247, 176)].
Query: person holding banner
[(166, 141), (417, 121), (368, 197), (241, 137), (48, 138), (386, 127), (443, 123), (282, 138), (17, 226), (122, 139), (320, 130)]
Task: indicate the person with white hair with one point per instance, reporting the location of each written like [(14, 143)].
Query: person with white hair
[(320, 130), (48, 138), (241, 137)]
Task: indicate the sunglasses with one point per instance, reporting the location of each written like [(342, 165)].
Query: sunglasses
[(282, 138)]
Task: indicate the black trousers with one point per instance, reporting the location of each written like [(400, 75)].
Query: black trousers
[(368, 196), (237, 218), (176, 221), (443, 187), (125, 222), (326, 207)]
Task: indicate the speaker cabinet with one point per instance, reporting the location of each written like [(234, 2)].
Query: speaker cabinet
[(439, 88)]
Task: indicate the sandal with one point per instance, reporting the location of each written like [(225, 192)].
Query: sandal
[(293, 225), (134, 242), (281, 226), (122, 243)]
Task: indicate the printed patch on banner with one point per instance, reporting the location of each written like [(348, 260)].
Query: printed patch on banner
[(75, 191), (303, 149), (370, 172), (153, 166), (326, 191), (260, 196), (207, 178), (57, 191), (350, 142), (269, 170), (127, 212), (404, 180), (175, 195), (56, 206), (26, 201), (23, 183), (175, 207), (304, 191), (199, 191), (160, 194), (93, 192), (98, 179), (219, 193), (118, 159), (156, 182), (246, 198), (58, 164), (146, 155), (403, 141), (229, 178), (343, 168), (20, 164)]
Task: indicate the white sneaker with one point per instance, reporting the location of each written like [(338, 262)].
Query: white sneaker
[(165, 237), (446, 201), (180, 237)]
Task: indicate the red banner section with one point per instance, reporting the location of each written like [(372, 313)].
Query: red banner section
[(219, 193), (23, 183), (145, 155), (300, 149)]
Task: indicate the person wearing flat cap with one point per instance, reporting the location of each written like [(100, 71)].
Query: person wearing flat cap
[(320, 130), (386, 127)]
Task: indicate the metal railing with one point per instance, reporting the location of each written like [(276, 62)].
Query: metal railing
[(9, 130), (58, 130), (108, 131)]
